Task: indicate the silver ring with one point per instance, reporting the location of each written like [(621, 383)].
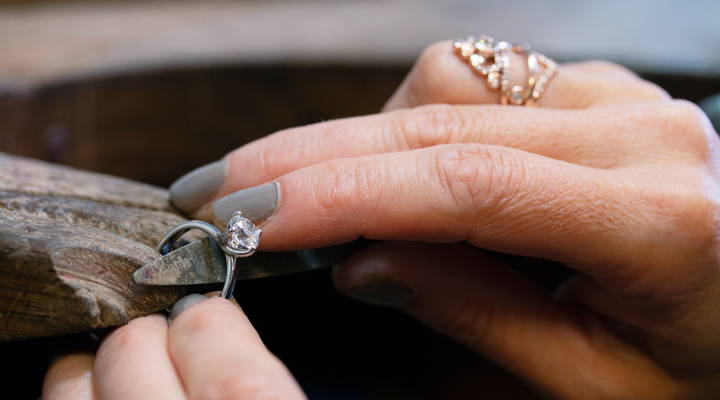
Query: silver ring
[(240, 239)]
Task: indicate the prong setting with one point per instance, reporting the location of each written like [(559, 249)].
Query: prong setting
[(241, 237)]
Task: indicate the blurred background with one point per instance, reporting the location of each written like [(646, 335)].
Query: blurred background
[(151, 89)]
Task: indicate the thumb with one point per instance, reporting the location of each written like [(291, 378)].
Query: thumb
[(466, 294)]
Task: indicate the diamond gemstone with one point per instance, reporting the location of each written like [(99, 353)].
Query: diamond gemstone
[(483, 69), (516, 96), (494, 80), (476, 60), (485, 45), (503, 46), (466, 49), (241, 234)]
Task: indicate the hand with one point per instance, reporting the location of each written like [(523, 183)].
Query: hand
[(210, 351), (609, 176)]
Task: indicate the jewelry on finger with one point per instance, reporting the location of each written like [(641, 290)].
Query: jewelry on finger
[(490, 59), (241, 238), (541, 78)]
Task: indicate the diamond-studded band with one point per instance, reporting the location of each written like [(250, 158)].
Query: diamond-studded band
[(537, 81), (490, 59)]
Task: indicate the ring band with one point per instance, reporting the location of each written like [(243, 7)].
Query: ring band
[(490, 59), (240, 239), (539, 81)]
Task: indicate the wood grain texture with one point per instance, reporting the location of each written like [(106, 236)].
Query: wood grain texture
[(69, 243)]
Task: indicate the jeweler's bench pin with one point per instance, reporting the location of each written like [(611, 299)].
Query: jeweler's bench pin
[(240, 239)]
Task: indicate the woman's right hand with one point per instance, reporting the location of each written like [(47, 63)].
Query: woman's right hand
[(208, 351)]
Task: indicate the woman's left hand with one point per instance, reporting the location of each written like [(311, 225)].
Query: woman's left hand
[(608, 176), (209, 351)]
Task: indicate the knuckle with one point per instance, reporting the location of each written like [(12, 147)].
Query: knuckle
[(682, 124), (435, 67), (685, 113), (468, 323), (431, 125), (277, 154), (686, 211), (681, 224), (339, 185), (430, 61), (642, 90), (477, 178), (265, 162)]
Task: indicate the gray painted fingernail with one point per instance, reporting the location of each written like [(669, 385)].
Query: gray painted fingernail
[(385, 293), (198, 186), (185, 303), (256, 203)]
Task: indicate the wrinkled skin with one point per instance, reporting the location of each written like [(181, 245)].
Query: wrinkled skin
[(609, 176)]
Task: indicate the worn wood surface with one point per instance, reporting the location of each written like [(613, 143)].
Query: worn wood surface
[(69, 243)]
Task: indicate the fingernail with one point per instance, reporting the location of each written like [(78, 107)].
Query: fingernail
[(386, 293), (185, 303), (197, 186), (256, 203)]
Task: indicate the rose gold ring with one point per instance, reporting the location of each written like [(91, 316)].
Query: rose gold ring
[(490, 59)]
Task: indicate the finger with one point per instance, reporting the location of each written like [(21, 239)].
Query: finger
[(601, 138), (70, 378), (218, 354), (133, 363), (440, 76), (469, 296), (497, 198), (674, 341)]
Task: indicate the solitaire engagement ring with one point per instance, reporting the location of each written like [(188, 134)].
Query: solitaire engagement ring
[(240, 239)]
